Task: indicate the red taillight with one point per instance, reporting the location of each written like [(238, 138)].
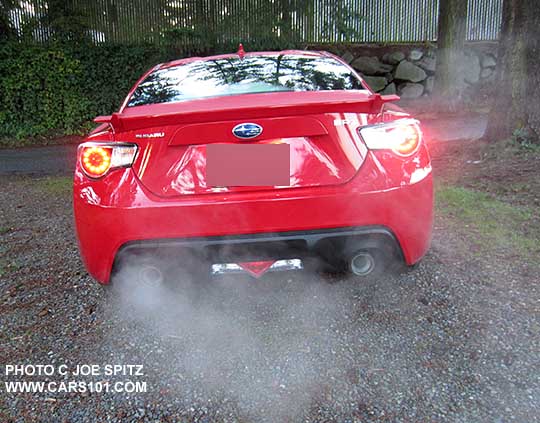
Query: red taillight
[(408, 138), (401, 136), (96, 160)]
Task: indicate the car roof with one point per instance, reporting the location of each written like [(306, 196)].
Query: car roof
[(310, 53)]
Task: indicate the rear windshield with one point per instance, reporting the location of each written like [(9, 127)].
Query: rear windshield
[(253, 74)]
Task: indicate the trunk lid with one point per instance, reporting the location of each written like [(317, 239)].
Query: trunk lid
[(320, 129)]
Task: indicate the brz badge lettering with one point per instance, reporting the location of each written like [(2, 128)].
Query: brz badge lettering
[(342, 122)]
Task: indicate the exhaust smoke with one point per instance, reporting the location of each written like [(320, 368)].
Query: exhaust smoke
[(268, 347)]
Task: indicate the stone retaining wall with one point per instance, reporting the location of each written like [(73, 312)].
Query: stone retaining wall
[(409, 70)]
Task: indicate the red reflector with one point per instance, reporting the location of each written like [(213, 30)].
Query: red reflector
[(256, 268)]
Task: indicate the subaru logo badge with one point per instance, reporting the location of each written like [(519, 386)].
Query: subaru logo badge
[(247, 131)]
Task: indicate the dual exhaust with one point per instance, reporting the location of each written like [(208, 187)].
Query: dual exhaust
[(361, 263)]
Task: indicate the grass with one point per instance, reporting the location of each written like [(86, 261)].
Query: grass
[(494, 223), (55, 185), (512, 147), (15, 143)]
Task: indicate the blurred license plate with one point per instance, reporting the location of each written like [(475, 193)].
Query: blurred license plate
[(247, 165)]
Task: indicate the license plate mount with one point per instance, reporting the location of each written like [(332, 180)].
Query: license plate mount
[(229, 165)]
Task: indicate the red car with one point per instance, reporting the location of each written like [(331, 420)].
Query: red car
[(253, 161)]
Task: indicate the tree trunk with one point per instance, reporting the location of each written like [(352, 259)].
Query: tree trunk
[(6, 30), (517, 84), (285, 21), (450, 41)]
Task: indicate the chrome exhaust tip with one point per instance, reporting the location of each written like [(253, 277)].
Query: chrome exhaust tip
[(362, 263), (151, 276)]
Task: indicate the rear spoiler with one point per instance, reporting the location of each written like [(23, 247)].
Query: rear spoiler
[(371, 104)]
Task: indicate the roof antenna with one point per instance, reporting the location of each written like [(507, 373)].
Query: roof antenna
[(241, 53)]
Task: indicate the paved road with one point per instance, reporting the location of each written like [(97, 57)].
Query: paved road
[(51, 160), (60, 160)]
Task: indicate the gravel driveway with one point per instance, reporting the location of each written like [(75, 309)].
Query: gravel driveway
[(455, 340)]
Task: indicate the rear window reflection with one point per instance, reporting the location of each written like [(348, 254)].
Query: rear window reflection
[(253, 74)]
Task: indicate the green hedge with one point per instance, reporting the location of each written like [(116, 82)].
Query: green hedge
[(56, 89), (53, 90)]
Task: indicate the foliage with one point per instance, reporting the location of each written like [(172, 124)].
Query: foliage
[(67, 22), (6, 30), (109, 71), (269, 24), (55, 185), (492, 223), (183, 36), (524, 138), (342, 22), (39, 91), (57, 89)]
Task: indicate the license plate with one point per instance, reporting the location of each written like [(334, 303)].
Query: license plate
[(247, 165)]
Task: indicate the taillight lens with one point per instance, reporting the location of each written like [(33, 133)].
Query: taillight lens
[(402, 137), (97, 159)]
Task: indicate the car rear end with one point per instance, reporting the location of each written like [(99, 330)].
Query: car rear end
[(253, 163)]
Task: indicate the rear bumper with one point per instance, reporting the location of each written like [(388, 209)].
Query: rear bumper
[(282, 245), (117, 213), (286, 249)]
